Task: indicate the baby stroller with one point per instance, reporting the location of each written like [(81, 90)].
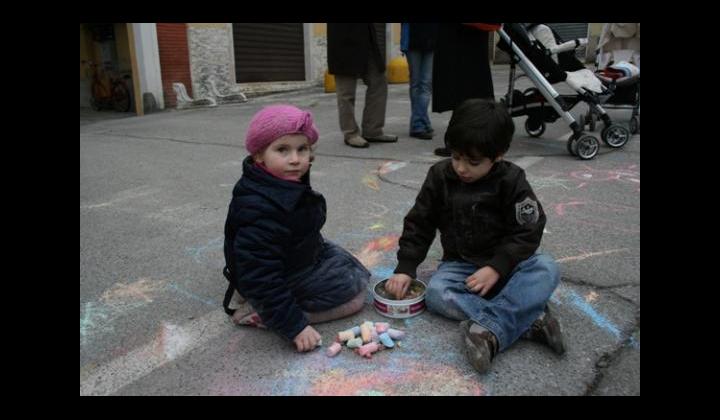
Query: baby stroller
[(546, 59), (618, 67)]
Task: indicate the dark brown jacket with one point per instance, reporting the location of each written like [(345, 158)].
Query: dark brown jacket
[(495, 221), (351, 49)]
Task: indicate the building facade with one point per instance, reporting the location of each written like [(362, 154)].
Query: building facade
[(252, 58)]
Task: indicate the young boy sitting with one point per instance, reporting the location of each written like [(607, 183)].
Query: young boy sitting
[(490, 224)]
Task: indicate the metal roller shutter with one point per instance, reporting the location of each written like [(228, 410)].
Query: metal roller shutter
[(268, 52)]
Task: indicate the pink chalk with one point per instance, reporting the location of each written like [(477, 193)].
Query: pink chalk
[(334, 349), (368, 349), (396, 334), (381, 327)]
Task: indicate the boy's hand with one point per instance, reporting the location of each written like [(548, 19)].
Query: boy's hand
[(398, 285), (482, 280), (307, 340)]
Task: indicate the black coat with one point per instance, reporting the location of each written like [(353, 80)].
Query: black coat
[(461, 66), (273, 230), (495, 221), (351, 47), (422, 36)]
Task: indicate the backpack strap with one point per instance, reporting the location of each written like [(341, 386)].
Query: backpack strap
[(229, 292)]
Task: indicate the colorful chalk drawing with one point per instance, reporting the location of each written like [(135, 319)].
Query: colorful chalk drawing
[(98, 317), (564, 295), (586, 255), (122, 298), (399, 371), (542, 182), (598, 215), (579, 179), (371, 179), (390, 166), (198, 252), (591, 297), (626, 175), (373, 252), (125, 195)]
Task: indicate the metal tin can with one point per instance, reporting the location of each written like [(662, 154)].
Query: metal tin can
[(392, 308)]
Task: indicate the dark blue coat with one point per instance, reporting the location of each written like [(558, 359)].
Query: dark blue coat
[(273, 248)]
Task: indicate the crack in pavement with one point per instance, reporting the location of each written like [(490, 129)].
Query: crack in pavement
[(607, 359)]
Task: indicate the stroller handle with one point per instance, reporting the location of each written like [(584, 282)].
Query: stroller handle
[(568, 46)]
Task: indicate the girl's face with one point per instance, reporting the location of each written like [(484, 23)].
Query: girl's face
[(470, 169), (288, 157)]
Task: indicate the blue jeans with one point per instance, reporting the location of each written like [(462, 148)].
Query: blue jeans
[(420, 65), (511, 312)]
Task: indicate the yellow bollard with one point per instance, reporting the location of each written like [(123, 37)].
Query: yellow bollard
[(329, 82), (398, 71)]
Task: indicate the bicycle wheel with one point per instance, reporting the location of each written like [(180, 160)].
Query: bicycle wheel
[(95, 94), (121, 98)]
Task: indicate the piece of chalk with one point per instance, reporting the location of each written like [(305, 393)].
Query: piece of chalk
[(368, 349), (396, 334), (355, 343), (346, 335), (374, 336), (334, 349), (356, 330), (386, 340), (381, 327), (365, 333)]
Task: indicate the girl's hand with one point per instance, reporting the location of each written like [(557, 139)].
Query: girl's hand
[(483, 280), (307, 340)]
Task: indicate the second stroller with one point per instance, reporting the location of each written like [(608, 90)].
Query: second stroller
[(546, 59)]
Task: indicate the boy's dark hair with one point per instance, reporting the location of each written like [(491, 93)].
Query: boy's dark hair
[(480, 128)]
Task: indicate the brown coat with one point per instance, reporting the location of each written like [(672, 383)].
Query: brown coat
[(351, 47)]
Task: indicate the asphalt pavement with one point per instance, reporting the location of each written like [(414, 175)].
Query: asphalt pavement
[(154, 192)]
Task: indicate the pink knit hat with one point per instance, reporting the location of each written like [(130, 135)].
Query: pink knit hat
[(275, 121)]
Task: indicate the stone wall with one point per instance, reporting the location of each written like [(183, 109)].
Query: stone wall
[(211, 56)]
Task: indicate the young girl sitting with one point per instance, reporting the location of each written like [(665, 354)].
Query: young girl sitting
[(275, 255)]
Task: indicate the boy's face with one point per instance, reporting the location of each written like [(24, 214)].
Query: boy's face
[(288, 157), (470, 169)]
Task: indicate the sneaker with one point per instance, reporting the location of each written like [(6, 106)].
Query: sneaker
[(383, 138), (425, 135), (251, 319), (546, 330), (443, 151), (357, 141), (480, 345)]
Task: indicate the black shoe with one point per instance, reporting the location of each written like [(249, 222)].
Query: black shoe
[(546, 330), (443, 151), (425, 135), (480, 345), (383, 138)]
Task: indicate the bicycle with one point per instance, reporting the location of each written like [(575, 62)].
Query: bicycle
[(112, 93)]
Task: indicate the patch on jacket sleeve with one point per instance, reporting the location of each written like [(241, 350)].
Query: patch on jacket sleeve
[(527, 211)]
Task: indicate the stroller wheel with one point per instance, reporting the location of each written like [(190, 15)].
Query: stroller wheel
[(586, 147), (534, 128), (634, 125), (591, 120), (572, 146), (615, 135)]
